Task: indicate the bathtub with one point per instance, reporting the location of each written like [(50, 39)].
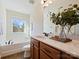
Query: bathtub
[(6, 50)]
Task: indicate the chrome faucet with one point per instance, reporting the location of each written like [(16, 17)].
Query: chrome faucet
[(9, 42)]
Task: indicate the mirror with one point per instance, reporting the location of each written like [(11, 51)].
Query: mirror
[(55, 7)]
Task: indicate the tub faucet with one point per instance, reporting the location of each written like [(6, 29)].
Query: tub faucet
[(9, 42)]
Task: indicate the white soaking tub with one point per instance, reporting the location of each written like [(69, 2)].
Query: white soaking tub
[(6, 50)]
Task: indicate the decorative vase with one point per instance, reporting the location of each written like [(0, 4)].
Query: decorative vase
[(63, 35)]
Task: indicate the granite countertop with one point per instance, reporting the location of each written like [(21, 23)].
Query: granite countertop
[(71, 48)]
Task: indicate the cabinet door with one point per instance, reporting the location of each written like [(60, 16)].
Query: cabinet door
[(43, 55), (35, 52), (52, 52), (31, 50), (66, 56)]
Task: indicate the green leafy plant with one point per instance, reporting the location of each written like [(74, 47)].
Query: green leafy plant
[(67, 18)]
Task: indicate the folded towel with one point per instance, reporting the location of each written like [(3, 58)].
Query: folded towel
[(27, 51)]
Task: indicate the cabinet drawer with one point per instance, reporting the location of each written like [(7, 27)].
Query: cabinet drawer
[(43, 55), (66, 56), (35, 42), (54, 53)]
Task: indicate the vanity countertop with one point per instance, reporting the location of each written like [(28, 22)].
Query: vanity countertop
[(71, 48)]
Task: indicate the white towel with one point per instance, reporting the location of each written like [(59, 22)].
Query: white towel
[(27, 51)]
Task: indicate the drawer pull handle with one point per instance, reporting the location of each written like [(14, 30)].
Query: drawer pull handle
[(47, 50), (31, 45)]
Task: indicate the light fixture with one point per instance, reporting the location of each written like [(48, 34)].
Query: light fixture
[(45, 3), (50, 1)]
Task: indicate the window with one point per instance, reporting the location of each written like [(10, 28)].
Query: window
[(18, 25)]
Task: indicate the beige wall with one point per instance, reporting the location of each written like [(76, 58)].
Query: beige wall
[(37, 20), (22, 6), (17, 36), (2, 18)]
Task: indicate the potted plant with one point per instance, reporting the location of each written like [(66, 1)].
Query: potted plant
[(66, 19)]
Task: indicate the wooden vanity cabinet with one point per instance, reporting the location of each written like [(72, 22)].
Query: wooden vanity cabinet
[(40, 50), (34, 49), (66, 56), (48, 50)]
